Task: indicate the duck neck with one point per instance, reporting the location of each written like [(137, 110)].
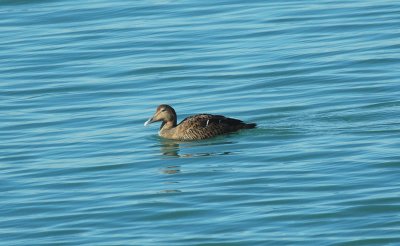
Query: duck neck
[(167, 125), (167, 129)]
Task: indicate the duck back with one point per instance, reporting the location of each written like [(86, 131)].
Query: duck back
[(204, 126)]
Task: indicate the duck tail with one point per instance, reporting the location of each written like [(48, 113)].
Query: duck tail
[(249, 126)]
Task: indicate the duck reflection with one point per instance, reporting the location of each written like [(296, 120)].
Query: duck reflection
[(169, 147), (171, 170), (170, 191), (173, 148), (178, 149)]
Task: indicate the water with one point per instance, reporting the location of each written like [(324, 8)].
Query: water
[(78, 80)]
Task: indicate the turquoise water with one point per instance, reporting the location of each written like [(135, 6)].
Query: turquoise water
[(78, 80)]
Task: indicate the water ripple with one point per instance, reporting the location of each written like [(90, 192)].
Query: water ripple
[(320, 80)]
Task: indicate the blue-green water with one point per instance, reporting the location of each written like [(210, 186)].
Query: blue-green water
[(78, 80)]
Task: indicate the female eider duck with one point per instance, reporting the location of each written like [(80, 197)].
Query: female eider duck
[(200, 126)]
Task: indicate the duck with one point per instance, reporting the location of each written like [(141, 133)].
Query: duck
[(195, 127)]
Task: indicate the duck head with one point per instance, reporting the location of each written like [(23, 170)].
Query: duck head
[(164, 113)]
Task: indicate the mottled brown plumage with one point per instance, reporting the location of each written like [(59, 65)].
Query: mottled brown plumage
[(200, 126)]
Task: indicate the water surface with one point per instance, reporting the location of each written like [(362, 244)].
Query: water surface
[(321, 79)]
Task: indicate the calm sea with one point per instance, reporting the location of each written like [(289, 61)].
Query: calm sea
[(79, 78)]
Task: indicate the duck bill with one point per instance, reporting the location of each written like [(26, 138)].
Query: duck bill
[(149, 121)]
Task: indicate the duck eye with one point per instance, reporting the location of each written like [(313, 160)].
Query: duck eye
[(163, 110)]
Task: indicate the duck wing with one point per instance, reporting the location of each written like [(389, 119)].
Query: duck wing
[(203, 126)]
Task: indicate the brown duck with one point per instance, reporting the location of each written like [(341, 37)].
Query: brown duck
[(200, 126)]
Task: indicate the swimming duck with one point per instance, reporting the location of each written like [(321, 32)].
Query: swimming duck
[(200, 126)]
